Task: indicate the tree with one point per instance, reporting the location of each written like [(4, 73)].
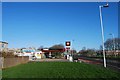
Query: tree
[(41, 47), (91, 52), (73, 51), (109, 44), (57, 46), (88, 52), (84, 48), (6, 54), (101, 47)]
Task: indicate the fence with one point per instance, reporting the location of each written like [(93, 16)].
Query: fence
[(12, 61)]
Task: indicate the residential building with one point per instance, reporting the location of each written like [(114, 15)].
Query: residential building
[(3, 45)]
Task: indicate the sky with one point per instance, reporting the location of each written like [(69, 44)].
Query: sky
[(35, 24)]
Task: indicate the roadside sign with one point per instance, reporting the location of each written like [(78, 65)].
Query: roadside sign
[(67, 48), (68, 43)]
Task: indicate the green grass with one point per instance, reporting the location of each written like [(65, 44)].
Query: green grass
[(58, 70)]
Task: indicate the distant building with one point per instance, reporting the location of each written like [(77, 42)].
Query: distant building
[(31, 53), (27, 52), (3, 45), (39, 55)]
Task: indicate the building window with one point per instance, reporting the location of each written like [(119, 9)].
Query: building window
[(2, 45)]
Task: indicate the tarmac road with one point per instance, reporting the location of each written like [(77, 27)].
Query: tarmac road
[(114, 64)]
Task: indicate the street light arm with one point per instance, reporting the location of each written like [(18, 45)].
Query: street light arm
[(106, 5)]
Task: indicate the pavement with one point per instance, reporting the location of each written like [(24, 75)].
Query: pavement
[(50, 60)]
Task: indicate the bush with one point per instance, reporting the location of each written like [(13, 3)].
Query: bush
[(89, 53), (57, 54), (7, 54)]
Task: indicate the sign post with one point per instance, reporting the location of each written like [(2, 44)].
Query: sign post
[(68, 46)]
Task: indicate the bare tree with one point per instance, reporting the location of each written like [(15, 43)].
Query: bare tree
[(57, 46), (109, 44)]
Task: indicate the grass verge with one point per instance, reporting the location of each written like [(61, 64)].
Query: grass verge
[(59, 70)]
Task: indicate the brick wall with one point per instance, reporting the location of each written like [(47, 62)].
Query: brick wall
[(13, 61)]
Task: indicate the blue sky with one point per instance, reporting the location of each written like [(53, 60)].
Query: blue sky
[(47, 23)]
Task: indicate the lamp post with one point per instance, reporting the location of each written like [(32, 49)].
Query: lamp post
[(113, 42), (72, 47), (101, 22)]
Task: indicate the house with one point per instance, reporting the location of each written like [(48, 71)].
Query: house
[(31, 53), (27, 52), (39, 54), (3, 46)]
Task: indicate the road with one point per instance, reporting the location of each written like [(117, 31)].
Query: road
[(114, 64)]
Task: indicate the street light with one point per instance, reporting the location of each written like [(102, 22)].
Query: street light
[(101, 22), (72, 47), (113, 42)]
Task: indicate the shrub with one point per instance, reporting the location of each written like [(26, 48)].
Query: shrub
[(7, 54)]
